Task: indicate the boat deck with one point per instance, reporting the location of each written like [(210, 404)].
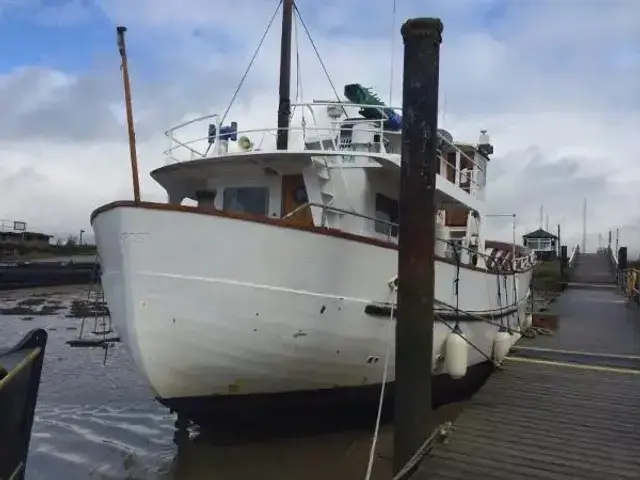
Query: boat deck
[(565, 406)]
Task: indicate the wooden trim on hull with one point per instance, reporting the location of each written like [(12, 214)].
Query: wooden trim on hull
[(384, 310), (275, 222)]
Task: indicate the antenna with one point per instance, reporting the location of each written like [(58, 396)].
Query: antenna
[(546, 223), (541, 215), (584, 226)]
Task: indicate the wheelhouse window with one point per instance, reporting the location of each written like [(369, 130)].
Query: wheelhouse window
[(252, 200), (206, 198), (386, 214)]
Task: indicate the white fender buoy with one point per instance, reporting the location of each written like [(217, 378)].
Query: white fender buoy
[(501, 345), (456, 354)]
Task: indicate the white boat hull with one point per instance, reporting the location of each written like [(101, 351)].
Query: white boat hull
[(212, 306)]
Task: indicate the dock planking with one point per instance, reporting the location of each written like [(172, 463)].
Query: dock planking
[(564, 406)]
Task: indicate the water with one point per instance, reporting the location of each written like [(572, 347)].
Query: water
[(96, 420)]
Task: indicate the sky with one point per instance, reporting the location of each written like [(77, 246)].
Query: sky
[(555, 83)]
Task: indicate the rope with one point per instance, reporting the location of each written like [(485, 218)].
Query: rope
[(438, 434), (315, 49), (299, 94), (246, 72), (532, 332), (456, 285), (516, 300), (500, 301), (385, 372)]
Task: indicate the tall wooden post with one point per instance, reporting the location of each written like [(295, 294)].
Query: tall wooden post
[(127, 102), (418, 209)]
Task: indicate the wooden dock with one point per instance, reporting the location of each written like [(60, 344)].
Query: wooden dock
[(565, 406)]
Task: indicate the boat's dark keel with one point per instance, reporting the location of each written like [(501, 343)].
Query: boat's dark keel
[(20, 370), (243, 417)]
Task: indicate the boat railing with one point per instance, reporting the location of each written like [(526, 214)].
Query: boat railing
[(452, 249), (20, 371), (574, 255), (329, 133)]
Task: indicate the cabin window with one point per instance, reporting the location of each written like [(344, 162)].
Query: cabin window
[(386, 214), (252, 200), (206, 198), (540, 243)]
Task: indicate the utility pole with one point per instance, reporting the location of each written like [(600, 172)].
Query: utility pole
[(559, 241), (584, 227), (416, 249), (541, 215)]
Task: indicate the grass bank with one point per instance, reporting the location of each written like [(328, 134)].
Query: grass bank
[(547, 277)]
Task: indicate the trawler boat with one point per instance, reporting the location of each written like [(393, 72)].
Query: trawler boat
[(277, 282), (275, 285)]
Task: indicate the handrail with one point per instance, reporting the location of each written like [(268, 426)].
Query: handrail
[(473, 185), (574, 255), (614, 257), (326, 208), (379, 129), (189, 122)]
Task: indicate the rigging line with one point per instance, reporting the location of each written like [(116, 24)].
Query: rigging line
[(393, 51), (315, 49), (335, 92), (298, 97), (456, 284), (385, 372), (246, 72), (506, 295), (500, 299), (516, 300), (506, 290)]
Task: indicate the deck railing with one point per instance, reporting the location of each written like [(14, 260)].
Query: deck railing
[(452, 249), (573, 256), (331, 136)]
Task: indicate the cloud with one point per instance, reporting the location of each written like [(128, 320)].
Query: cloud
[(553, 82)]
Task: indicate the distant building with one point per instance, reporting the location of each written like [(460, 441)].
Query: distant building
[(545, 244), (15, 240)]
